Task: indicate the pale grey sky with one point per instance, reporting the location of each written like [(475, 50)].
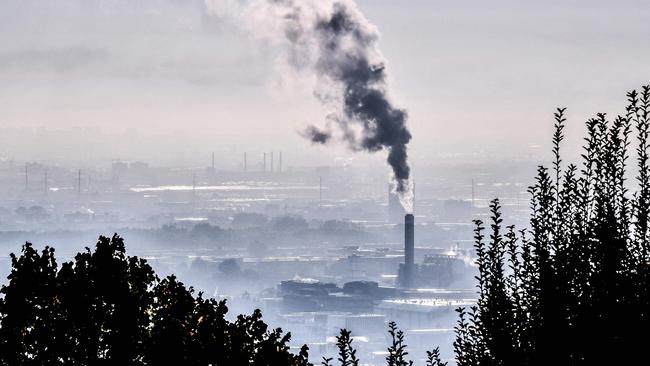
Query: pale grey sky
[(473, 75)]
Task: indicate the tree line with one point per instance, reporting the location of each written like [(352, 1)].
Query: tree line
[(106, 308)]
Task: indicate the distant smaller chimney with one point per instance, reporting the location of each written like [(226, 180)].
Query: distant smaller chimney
[(272, 162)]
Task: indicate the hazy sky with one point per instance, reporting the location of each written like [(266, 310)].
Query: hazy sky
[(473, 75)]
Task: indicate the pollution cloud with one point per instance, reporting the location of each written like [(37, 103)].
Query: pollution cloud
[(334, 41)]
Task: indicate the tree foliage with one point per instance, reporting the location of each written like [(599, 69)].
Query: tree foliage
[(108, 308), (574, 287), (397, 350)]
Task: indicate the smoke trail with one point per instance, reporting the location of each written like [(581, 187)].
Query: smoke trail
[(332, 39), (317, 135)]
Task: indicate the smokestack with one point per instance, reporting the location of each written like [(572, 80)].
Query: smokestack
[(264, 170), (280, 163), (409, 240), (272, 161), (409, 250), (213, 160)]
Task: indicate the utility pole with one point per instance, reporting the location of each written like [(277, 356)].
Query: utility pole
[(193, 187), (473, 194)]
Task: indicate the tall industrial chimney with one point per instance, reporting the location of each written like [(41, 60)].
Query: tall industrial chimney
[(409, 240), (409, 249)]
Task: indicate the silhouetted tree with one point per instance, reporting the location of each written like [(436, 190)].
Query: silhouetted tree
[(397, 350), (433, 358), (572, 289), (347, 353), (28, 310), (108, 308)]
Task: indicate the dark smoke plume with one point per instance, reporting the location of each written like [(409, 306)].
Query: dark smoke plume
[(316, 135), (334, 40)]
